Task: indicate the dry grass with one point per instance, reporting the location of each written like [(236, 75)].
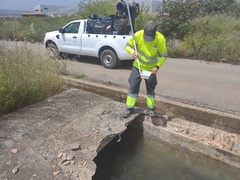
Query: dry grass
[(26, 77)]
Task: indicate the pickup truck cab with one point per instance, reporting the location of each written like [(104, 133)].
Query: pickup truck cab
[(75, 39)]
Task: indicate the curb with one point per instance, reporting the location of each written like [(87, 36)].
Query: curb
[(212, 118)]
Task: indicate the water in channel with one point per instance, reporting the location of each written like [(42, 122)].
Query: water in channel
[(141, 157)]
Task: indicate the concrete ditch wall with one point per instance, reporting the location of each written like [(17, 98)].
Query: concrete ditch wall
[(197, 138)]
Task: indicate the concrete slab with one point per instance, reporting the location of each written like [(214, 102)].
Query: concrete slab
[(60, 136)]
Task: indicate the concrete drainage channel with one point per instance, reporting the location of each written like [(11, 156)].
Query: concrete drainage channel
[(140, 155), (208, 132)]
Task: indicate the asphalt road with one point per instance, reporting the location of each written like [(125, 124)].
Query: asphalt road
[(210, 85)]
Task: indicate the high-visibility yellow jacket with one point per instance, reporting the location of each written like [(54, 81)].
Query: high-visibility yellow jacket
[(150, 54)]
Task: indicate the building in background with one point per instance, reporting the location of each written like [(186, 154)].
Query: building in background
[(54, 10)]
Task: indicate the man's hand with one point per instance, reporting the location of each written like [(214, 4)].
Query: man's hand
[(135, 54), (155, 70)]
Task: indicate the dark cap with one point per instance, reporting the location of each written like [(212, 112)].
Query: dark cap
[(150, 29)]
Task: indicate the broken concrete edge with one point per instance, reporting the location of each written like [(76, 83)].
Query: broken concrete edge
[(212, 118), (176, 139), (110, 137)]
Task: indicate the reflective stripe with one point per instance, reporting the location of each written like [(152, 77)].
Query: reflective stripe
[(164, 55), (152, 59), (133, 95), (150, 102), (149, 62), (131, 101), (147, 57), (128, 45), (150, 96)]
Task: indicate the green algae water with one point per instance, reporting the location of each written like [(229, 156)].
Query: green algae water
[(141, 157)]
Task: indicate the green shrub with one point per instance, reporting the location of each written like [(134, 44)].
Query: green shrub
[(9, 28), (31, 29), (235, 10), (26, 77), (214, 7), (215, 38), (99, 7), (144, 16), (179, 13)]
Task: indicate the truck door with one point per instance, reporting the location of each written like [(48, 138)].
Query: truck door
[(70, 38), (90, 39)]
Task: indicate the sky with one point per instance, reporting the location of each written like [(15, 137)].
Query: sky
[(30, 4)]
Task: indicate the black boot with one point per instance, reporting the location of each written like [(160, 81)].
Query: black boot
[(127, 112)]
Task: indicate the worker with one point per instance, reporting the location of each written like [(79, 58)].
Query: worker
[(149, 55)]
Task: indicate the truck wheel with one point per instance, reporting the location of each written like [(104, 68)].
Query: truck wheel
[(109, 59), (53, 51)]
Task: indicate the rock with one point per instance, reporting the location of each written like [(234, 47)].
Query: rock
[(75, 147), (15, 170), (49, 100), (175, 129), (84, 163), (14, 151), (9, 162), (64, 157), (86, 135), (55, 173), (72, 162), (60, 155), (70, 157), (63, 161), (66, 163)]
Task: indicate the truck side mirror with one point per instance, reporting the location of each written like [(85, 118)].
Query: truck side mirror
[(61, 30)]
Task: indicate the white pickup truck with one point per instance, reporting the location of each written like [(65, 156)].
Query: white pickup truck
[(76, 39)]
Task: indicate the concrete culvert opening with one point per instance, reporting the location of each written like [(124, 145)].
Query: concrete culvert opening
[(140, 155)]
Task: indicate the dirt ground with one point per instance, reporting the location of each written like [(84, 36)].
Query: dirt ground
[(59, 137)]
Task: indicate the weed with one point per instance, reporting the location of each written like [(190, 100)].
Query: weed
[(26, 77)]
